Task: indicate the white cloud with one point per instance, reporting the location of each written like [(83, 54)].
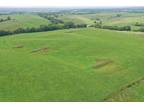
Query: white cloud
[(71, 3)]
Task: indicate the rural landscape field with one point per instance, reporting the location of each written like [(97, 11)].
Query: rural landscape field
[(72, 55)]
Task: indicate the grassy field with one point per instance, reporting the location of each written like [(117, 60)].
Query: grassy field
[(22, 21), (72, 65), (108, 18), (78, 19)]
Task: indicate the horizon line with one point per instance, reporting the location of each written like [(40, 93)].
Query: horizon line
[(69, 6)]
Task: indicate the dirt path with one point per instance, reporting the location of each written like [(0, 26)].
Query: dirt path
[(122, 89)]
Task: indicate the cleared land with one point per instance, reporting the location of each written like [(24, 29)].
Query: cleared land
[(72, 65)]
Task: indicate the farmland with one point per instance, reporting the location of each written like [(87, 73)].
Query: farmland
[(72, 55), (22, 21), (72, 65), (28, 20)]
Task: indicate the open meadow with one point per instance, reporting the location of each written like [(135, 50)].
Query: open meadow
[(72, 65)]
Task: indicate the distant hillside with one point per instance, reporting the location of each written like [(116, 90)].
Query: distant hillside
[(21, 21)]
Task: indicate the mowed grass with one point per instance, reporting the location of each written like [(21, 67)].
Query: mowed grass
[(22, 21), (70, 65)]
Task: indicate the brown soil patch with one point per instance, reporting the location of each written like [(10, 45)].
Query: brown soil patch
[(102, 62), (18, 46), (41, 50)]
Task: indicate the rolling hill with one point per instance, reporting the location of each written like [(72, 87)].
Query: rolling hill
[(72, 65), (22, 21)]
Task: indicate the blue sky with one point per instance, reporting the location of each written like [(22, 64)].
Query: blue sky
[(67, 3)]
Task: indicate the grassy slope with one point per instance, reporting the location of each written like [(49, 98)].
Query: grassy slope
[(65, 72), (27, 20), (22, 21), (111, 19), (78, 19)]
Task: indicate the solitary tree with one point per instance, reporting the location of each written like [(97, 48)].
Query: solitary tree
[(8, 18)]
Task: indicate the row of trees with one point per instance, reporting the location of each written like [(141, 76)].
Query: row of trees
[(119, 28), (4, 33), (6, 19), (99, 24), (54, 20), (49, 27)]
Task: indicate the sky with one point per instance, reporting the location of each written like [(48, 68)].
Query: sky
[(69, 3)]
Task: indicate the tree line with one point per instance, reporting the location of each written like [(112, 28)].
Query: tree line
[(42, 28), (99, 24), (119, 28)]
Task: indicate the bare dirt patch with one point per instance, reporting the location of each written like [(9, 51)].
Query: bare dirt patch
[(19, 46), (40, 50), (102, 62)]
